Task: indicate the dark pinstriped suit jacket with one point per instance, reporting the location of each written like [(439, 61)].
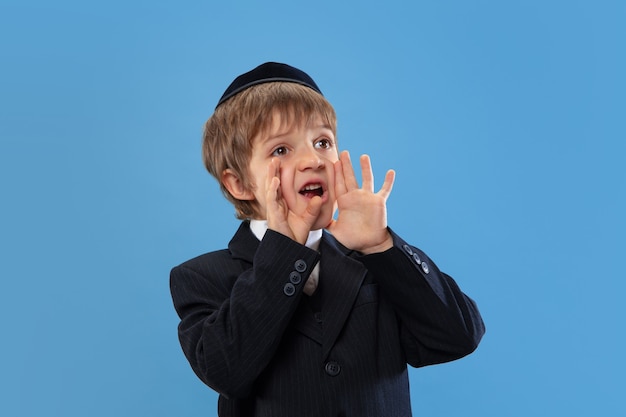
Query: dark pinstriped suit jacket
[(250, 333)]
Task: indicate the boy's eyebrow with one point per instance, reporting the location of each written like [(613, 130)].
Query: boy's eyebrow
[(280, 134)]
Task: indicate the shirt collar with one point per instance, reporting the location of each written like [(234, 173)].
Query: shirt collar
[(259, 227)]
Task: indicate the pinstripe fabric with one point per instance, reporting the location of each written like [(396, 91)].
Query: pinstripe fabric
[(261, 346)]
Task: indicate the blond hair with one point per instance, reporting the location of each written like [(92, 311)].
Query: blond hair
[(229, 133)]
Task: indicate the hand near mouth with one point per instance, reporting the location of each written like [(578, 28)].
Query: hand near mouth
[(279, 217), (361, 223)]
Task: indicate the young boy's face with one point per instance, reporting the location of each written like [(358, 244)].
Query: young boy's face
[(306, 154)]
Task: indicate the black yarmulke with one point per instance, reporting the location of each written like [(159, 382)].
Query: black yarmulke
[(266, 73)]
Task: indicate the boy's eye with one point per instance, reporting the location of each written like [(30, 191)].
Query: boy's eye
[(324, 144), (280, 151)]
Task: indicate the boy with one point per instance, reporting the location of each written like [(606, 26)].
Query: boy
[(303, 314)]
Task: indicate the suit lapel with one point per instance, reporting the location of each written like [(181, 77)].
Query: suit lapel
[(305, 322), (340, 280)]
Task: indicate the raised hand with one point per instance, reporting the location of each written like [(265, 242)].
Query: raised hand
[(279, 217), (362, 218)]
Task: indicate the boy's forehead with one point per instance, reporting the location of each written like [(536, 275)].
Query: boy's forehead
[(282, 123)]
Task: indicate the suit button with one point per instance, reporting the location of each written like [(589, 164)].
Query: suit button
[(416, 258), (425, 268), (295, 278), (408, 249), (332, 368), (300, 265), (318, 318), (289, 289)]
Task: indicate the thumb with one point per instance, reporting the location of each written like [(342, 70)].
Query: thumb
[(313, 210)]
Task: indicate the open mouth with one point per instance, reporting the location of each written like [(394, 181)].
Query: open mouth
[(312, 190)]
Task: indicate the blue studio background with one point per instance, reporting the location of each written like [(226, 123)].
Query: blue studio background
[(503, 120)]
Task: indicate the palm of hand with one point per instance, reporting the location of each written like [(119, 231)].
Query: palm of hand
[(362, 218)]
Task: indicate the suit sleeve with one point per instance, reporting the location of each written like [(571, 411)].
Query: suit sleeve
[(232, 318), (439, 323)]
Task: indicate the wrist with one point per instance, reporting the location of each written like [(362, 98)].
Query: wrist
[(381, 247)]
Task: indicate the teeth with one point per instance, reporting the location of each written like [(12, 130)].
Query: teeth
[(312, 187)]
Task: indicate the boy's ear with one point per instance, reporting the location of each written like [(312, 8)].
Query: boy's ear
[(235, 186)]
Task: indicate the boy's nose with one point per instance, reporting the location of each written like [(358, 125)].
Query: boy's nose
[(311, 161)]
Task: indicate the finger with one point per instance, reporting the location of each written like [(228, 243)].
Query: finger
[(276, 165), (313, 210), (274, 173), (385, 190), (272, 195), (366, 173), (340, 183), (271, 173), (348, 171)]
